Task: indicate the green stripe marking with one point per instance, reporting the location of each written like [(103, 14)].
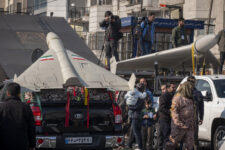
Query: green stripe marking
[(47, 56)]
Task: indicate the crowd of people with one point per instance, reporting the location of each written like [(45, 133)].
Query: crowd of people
[(141, 114), (179, 114), (144, 35)]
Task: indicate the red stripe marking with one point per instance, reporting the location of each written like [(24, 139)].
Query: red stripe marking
[(67, 110), (79, 58), (47, 59)]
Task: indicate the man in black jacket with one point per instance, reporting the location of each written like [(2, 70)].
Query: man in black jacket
[(112, 25), (17, 128), (165, 102)]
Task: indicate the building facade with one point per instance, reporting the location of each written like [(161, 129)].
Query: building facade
[(58, 8), (16, 6), (2, 5), (74, 11)]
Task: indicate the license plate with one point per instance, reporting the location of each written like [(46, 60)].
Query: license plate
[(78, 140)]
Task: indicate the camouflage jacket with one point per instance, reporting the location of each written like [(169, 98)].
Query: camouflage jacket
[(221, 41), (182, 112)]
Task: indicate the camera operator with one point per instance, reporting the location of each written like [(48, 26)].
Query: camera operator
[(112, 25)]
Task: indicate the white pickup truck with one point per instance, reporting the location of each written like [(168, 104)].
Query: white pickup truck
[(213, 127)]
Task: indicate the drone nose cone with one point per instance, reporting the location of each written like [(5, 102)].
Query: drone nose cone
[(51, 36), (205, 43)]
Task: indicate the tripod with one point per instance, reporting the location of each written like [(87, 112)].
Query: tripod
[(103, 46)]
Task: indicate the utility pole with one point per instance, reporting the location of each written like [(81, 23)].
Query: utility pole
[(209, 17), (141, 8), (207, 32), (8, 6)]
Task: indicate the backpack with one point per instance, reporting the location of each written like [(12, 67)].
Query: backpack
[(118, 21), (142, 29)]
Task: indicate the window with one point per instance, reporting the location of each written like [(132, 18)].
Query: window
[(220, 88), (93, 2), (134, 2), (203, 85), (19, 7), (101, 2), (40, 4), (108, 2), (105, 2), (163, 41)]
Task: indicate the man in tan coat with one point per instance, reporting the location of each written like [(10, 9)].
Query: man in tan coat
[(182, 123), (221, 44)]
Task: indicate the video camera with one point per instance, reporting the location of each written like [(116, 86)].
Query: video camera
[(111, 18), (140, 19)]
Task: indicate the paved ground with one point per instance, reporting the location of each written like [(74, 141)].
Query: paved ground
[(121, 148), (203, 148)]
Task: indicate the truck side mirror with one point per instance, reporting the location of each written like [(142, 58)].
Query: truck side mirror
[(206, 96)]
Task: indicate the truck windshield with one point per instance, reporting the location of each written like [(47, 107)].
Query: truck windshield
[(220, 87)]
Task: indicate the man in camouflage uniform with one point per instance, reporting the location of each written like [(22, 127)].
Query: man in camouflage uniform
[(221, 44), (199, 110), (179, 36), (182, 123)]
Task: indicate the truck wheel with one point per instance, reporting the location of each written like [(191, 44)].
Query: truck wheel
[(218, 138)]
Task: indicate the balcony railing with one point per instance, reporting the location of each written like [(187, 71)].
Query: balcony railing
[(79, 12), (133, 2)]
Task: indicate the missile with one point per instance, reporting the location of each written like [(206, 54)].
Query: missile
[(69, 74), (205, 43), (175, 58)]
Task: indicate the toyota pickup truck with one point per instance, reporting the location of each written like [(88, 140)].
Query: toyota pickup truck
[(212, 130), (104, 127)]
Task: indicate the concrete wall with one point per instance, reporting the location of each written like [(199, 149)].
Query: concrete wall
[(2, 3), (24, 3), (96, 15), (172, 2), (58, 7), (40, 11), (123, 9), (151, 4), (115, 7), (195, 9)]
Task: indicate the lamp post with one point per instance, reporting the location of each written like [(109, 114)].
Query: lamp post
[(74, 15)]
